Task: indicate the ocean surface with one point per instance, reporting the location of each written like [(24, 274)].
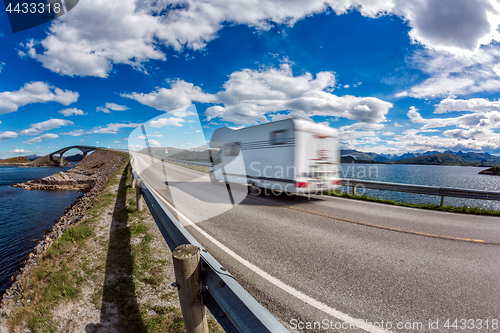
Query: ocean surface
[(25, 215), (430, 175)]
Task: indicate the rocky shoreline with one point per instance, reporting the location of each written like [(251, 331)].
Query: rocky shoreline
[(88, 176), (14, 164), (494, 171), (78, 178)]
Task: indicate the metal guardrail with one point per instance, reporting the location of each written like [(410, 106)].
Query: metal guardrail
[(232, 306), (422, 189), (189, 163)]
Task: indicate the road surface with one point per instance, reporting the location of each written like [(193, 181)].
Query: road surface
[(337, 263)]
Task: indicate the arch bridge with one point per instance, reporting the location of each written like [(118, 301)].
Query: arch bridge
[(84, 149)]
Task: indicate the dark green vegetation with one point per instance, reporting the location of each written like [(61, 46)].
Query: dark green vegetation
[(13, 160), (445, 208), (495, 171), (349, 155), (438, 159)]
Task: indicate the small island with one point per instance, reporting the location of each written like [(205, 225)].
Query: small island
[(495, 171), (23, 162)]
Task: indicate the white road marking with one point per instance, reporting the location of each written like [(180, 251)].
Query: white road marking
[(278, 283)]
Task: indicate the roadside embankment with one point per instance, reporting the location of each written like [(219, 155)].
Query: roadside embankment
[(82, 176), (73, 214), (107, 268)]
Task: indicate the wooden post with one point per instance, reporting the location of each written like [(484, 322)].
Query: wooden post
[(138, 196), (187, 268), (442, 200)]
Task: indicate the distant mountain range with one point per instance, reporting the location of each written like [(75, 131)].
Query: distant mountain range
[(354, 156), (429, 157), (76, 157)]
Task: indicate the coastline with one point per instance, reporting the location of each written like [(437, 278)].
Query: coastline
[(109, 272), (71, 216)]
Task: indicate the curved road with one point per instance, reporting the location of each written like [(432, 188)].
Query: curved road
[(325, 264)]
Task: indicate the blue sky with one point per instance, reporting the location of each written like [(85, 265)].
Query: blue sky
[(392, 76)]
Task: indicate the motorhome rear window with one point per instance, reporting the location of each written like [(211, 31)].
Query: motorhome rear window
[(278, 137), (231, 149)]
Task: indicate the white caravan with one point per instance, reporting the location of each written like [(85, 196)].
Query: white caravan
[(291, 155)]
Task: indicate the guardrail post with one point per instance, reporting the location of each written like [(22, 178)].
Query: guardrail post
[(187, 268), (442, 200), (138, 195), (353, 189), (132, 182)]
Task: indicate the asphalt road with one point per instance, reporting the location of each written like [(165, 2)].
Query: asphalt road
[(339, 261)]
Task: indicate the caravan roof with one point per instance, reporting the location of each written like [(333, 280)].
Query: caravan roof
[(225, 133)]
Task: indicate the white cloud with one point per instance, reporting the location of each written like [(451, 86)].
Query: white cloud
[(34, 92), (111, 128), (451, 75), (20, 151), (76, 132), (45, 126), (38, 139), (116, 107), (249, 95), (135, 147), (102, 109), (72, 112), (154, 143), (111, 106), (102, 33), (455, 26), (472, 131), (490, 119), (362, 126), (172, 121), (181, 94), (473, 104), (4, 136)]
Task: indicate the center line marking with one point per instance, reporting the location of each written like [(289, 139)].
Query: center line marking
[(470, 240)]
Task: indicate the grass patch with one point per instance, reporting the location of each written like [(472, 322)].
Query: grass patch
[(444, 208), (77, 234)]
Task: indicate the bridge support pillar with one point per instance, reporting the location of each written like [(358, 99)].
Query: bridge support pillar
[(85, 154), (138, 196), (61, 160), (51, 157)]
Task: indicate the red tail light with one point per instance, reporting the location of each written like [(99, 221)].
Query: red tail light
[(336, 182), (302, 184)]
